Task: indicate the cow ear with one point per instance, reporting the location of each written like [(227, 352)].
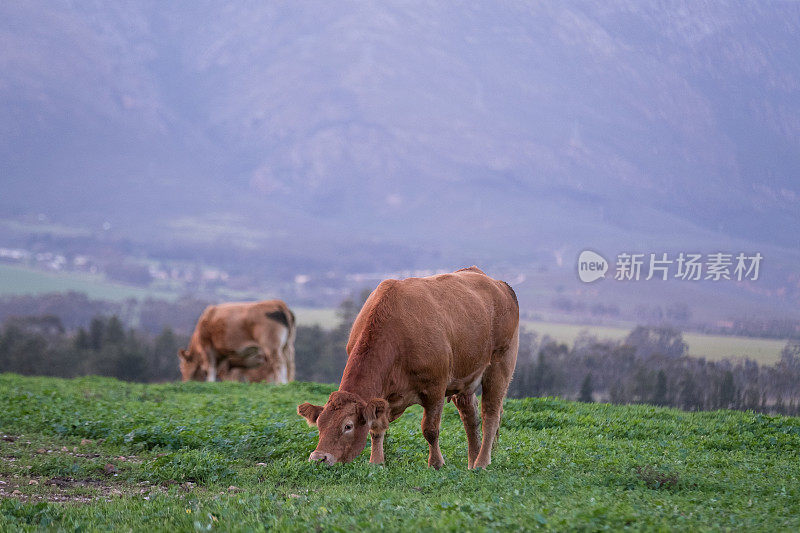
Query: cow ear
[(183, 354), (376, 414), (309, 412)]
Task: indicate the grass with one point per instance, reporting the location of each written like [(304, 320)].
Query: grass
[(20, 280), (712, 347), (97, 454)]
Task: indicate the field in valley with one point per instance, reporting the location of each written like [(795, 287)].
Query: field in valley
[(713, 347), (96, 454), (19, 280)]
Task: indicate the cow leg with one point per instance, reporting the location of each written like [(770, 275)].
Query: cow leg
[(376, 449), (467, 405), (211, 355), (278, 363), (274, 359), (495, 385), (431, 420), (224, 370)]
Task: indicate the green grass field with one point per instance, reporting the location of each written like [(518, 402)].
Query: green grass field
[(98, 454), (19, 280)]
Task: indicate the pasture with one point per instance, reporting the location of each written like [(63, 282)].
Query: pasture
[(19, 280), (96, 454)]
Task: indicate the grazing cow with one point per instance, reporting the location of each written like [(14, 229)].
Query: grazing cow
[(242, 342), (419, 341)]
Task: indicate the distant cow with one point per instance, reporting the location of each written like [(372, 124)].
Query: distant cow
[(419, 341), (242, 342)]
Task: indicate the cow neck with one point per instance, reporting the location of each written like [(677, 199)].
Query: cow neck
[(196, 341), (367, 370)]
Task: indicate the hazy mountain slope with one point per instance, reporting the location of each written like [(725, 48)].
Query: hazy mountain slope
[(505, 128)]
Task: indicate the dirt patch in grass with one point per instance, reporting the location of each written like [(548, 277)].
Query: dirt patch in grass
[(70, 490), (656, 479)]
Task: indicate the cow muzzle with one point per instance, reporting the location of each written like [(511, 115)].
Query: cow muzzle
[(321, 457)]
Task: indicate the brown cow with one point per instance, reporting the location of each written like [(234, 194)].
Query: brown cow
[(242, 342), (419, 341)]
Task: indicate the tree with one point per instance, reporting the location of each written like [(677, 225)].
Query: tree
[(779, 407), (546, 378), (660, 392), (790, 354), (82, 340), (657, 341), (690, 395), (97, 332), (522, 384), (165, 363), (350, 307), (751, 398), (642, 384), (586, 390), (309, 347), (616, 394), (115, 332), (23, 351), (727, 390), (126, 363)]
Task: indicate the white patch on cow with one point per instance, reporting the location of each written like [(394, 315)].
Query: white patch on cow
[(212, 365), (284, 336), (283, 375)]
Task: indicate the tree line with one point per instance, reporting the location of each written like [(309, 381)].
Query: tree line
[(42, 346), (650, 365)]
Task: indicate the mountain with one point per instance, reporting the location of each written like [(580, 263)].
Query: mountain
[(502, 131)]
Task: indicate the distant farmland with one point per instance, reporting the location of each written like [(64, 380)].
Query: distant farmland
[(713, 347), (20, 280)]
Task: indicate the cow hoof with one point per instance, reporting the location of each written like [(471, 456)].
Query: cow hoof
[(478, 464)]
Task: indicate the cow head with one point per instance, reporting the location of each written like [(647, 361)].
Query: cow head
[(344, 423), (191, 366)]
